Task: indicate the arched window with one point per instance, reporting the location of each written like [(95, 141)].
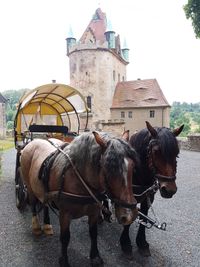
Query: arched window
[(89, 102), (118, 77), (113, 75)]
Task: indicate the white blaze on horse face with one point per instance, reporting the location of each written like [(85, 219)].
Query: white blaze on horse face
[(125, 171)]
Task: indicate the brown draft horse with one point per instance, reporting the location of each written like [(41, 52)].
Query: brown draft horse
[(158, 149), (75, 182)]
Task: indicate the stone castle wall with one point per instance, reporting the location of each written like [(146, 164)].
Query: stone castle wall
[(95, 72), (191, 142)]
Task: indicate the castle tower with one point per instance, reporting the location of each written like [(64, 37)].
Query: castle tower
[(97, 64)]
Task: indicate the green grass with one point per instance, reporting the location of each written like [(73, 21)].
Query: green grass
[(6, 144)]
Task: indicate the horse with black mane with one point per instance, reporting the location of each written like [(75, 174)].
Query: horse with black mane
[(75, 178), (158, 150)]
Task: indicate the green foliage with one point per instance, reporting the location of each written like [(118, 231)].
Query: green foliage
[(13, 97), (10, 125), (187, 114), (192, 11)]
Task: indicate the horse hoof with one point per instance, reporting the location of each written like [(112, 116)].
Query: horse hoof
[(37, 231), (97, 262), (145, 252), (63, 262), (100, 219), (127, 251), (48, 229), (128, 255)]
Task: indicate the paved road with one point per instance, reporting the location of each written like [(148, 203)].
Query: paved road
[(178, 246)]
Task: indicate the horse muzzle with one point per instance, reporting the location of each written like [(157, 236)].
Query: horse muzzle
[(126, 215), (167, 191), (167, 185)]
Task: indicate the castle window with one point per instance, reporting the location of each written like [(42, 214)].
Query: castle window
[(123, 79), (130, 114), (152, 113), (118, 77), (122, 114), (113, 75), (89, 102)]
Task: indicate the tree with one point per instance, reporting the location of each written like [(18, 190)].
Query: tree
[(13, 97), (192, 11)]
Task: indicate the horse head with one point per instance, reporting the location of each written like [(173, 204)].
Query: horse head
[(163, 151), (118, 162)]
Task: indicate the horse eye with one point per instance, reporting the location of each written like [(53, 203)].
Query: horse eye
[(156, 150)]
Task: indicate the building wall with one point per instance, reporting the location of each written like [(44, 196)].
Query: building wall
[(2, 120), (92, 71), (140, 115)]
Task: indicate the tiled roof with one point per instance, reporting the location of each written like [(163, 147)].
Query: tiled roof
[(97, 27), (2, 99), (139, 93)]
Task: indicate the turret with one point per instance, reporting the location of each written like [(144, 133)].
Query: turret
[(110, 35), (125, 51), (70, 40)]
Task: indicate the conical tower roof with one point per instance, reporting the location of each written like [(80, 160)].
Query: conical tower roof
[(96, 28)]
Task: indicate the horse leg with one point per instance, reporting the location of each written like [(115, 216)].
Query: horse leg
[(48, 229), (125, 243), (95, 258), (141, 236), (64, 238), (36, 228)]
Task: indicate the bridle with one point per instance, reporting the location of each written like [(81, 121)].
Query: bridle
[(157, 177)]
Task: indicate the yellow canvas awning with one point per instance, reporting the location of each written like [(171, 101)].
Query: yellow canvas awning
[(63, 98), (52, 104)]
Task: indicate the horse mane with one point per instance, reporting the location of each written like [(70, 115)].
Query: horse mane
[(84, 151), (113, 161), (167, 141)]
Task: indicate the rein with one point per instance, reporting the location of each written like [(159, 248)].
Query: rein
[(150, 190), (99, 203), (79, 176)]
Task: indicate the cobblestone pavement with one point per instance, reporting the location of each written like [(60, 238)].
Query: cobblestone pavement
[(178, 246)]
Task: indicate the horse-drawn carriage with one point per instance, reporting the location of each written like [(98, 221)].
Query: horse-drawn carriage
[(51, 110), (76, 176)]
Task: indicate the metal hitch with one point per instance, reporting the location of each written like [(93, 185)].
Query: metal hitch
[(148, 222)]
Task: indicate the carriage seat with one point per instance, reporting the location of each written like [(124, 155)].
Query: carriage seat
[(34, 128)]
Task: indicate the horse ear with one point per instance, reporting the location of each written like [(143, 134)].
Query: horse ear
[(125, 135), (100, 140), (152, 131), (177, 131)]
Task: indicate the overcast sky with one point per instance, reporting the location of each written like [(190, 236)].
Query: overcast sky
[(161, 41)]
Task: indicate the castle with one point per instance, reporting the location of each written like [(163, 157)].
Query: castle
[(97, 65)]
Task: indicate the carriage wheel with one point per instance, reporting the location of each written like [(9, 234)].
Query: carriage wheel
[(20, 191)]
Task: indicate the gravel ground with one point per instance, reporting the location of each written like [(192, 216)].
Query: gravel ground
[(178, 246)]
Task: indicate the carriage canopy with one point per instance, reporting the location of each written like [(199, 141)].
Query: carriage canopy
[(51, 104)]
